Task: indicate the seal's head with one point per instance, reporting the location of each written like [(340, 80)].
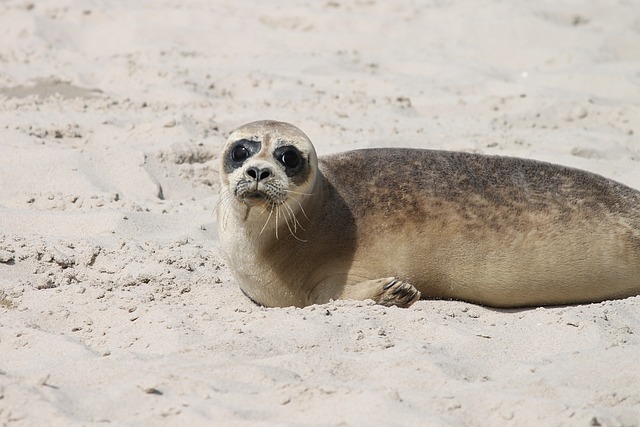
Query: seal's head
[(268, 164)]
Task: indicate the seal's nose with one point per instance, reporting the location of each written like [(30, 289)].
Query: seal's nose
[(259, 174)]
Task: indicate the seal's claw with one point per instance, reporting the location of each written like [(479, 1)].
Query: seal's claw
[(390, 284), (398, 293)]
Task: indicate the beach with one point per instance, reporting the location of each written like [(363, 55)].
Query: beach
[(116, 303)]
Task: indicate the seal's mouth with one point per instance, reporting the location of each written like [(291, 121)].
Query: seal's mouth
[(252, 194), (255, 196)]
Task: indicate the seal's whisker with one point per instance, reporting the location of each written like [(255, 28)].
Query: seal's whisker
[(268, 218), (298, 192), (286, 220), (296, 223), (302, 209), (224, 208), (287, 210), (277, 212), (294, 220)]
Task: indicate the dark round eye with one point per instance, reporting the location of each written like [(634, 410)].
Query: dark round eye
[(239, 153), (290, 158)]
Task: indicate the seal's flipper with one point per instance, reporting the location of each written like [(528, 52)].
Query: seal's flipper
[(388, 291)]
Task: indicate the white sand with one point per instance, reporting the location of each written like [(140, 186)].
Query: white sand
[(115, 303)]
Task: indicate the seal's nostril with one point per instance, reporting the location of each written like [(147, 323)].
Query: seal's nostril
[(258, 174)]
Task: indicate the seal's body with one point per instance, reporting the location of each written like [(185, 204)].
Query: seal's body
[(391, 224)]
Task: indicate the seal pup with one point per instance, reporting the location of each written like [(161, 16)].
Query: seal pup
[(396, 224)]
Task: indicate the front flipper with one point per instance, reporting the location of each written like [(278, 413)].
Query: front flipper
[(388, 291)]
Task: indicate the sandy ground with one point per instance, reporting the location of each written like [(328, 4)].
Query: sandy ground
[(115, 303)]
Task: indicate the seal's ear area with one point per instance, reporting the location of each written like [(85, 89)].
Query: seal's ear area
[(238, 152)]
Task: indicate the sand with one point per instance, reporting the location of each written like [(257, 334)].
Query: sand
[(116, 305)]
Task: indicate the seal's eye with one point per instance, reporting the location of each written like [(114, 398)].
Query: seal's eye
[(290, 158), (239, 153)]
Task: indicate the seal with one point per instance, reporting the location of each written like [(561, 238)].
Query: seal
[(394, 225)]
